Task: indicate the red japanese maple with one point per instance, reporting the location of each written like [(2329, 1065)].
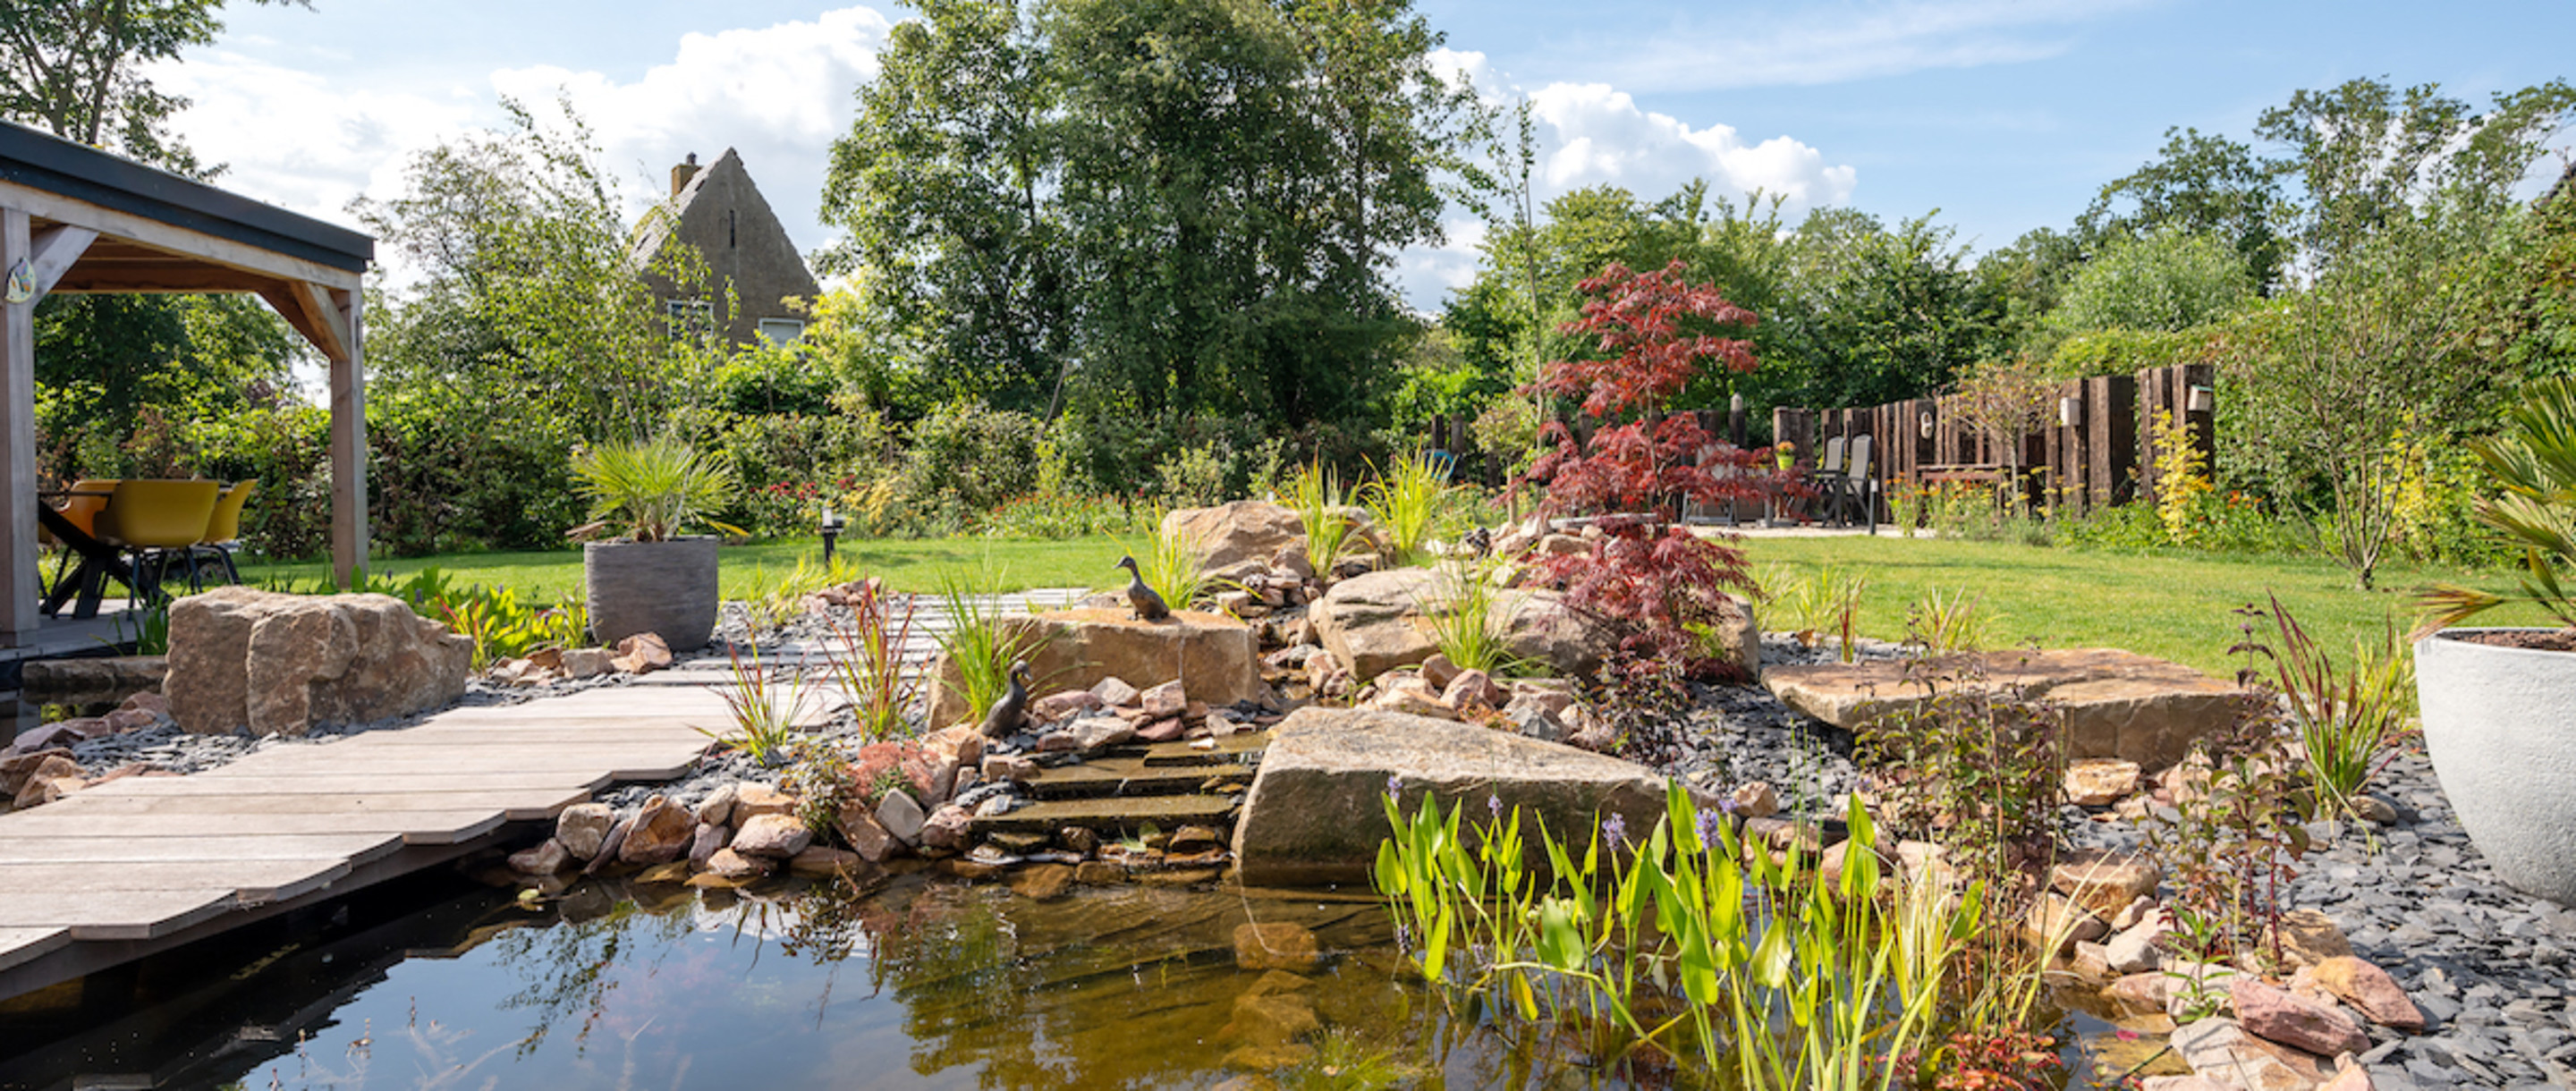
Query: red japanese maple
[(1655, 579)]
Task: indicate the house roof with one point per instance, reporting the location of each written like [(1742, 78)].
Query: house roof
[(49, 163)]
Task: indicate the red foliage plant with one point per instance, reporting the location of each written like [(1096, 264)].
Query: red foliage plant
[(1657, 579)]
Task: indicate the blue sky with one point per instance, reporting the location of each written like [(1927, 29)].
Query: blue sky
[(2003, 114)]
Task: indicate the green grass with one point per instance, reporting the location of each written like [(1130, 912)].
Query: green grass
[(2177, 607), (906, 565)]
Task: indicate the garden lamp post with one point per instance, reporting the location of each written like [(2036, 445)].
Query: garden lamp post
[(831, 530)]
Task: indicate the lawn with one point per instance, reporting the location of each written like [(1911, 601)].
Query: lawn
[(2179, 607), (751, 570)]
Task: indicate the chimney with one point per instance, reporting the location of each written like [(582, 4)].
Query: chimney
[(681, 174)]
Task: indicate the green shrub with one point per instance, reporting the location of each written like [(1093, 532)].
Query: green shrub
[(1192, 477), (965, 460)]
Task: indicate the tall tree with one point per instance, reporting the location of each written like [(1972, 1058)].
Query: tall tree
[(75, 68), (2199, 185)]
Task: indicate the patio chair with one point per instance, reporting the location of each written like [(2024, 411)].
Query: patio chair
[(223, 534), (1827, 479), (81, 508), (158, 522), (1854, 489)]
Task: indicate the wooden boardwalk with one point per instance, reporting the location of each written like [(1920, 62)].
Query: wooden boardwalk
[(144, 864)]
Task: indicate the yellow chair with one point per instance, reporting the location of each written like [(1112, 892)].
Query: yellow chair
[(223, 530), (89, 496), (158, 522)]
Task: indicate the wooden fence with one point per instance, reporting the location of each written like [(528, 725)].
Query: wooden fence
[(2095, 451)]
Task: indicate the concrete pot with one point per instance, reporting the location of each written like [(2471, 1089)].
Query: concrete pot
[(2501, 726), (668, 588)]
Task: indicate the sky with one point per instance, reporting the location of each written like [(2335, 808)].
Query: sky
[(1999, 115)]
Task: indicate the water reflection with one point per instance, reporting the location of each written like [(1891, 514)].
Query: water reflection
[(909, 984)]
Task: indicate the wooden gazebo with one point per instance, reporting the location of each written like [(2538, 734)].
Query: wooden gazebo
[(76, 219)]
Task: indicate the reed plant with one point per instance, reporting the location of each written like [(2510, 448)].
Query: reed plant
[(1315, 493), (1470, 622), (1951, 623), (2346, 717), (1784, 979), (1405, 500), (870, 669), (1825, 602), (764, 712), (977, 644), (1176, 569)]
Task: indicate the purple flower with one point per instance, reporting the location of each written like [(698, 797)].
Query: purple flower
[(1615, 829), (1494, 803), (1706, 820), (1394, 786)]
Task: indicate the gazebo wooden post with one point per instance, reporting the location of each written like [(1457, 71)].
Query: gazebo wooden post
[(349, 444), (20, 591)]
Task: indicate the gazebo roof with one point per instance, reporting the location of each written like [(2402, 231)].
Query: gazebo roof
[(49, 163)]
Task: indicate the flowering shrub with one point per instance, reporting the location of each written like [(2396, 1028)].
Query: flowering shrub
[(1658, 580)]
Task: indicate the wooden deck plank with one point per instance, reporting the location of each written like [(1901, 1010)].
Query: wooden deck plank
[(252, 882), (114, 914), (23, 944), (207, 784), (356, 848), (518, 805), (415, 827)]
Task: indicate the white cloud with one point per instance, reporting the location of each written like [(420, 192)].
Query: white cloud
[(1833, 43), (779, 94)]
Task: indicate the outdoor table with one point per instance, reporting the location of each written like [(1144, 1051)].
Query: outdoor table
[(98, 561)]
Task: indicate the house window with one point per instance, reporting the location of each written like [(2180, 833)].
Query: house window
[(785, 331), (686, 317)]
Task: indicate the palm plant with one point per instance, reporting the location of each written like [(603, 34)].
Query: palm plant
[(2535, 459), (650, 490)]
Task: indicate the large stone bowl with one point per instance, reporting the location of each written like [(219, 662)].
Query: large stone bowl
[(2500, 723)]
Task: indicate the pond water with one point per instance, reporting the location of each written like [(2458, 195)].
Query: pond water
[(920, 985), (437, 982)]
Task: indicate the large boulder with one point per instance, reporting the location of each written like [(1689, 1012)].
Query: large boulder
[(1316, 814), (241, 657), (2118, 704), (1228, 534), (1216, 658), (1379, 621)]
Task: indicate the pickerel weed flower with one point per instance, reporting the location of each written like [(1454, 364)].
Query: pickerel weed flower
[(1615, 829)]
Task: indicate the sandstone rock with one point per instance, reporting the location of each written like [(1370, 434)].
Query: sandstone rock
[(709, 839), (1217, 656), (2092, 962), (242, 657), (947, 829), (2309, 937), (2221, 1050), (825, 860), (677, 871), (1232, 533), (41, 790), (1472, 689), (2349, 1078), (1043, 883), (752, 799), (1099, 873), (129, 719), (2118, 704), (2185, 1083), (775, 836), (2137, 993), (2100, 782), (662, 832), (2058, 921), (729, 864), (2370, 991), (582, 826), (866, 836), (151, 701), (609, 844), (1439, 671), (1009, 767), (1062, 703), (1538, 627), (17, 770), (2276, 1015), (1534, 721), (1099, 732), (1163, 700), (642, 653), (1756, 799), (717, 808), (1115, 692), (581, 663), (1562, 545), (1374, 623), (2140, 947), (1315, 812), (1410, 695), (901, 816), (2104, 883), (547, 858), (1275, 946)]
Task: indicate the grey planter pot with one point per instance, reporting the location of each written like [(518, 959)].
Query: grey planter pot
[(2501, 726), (667, 588)]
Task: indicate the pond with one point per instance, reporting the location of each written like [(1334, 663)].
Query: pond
[(922, 984)]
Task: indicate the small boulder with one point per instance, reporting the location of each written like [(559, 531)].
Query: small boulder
[(642, 653), (2105, 882), (1164, 700), (709, 839), (2309, 937), (2056, 921), (1439, 671), (2370, 991), (1062, 703), (2277, 1015), (1275, 946), (901, 816), (2100, 782), (1410, 695), (1472, 689), (582, 826), (717, 808), (1114, 692), (662, 832), (752, 799), (2220, 1049), (547, 858), (775, 836), (1232, 533), (947, 829), (581, 663), (1755, 799), (865, 835), (728, 864)]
